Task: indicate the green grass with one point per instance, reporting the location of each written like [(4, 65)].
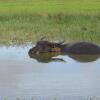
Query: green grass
[(48, 6), (28, 20)]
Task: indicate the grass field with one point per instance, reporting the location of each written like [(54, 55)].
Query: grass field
[(48, 6), (27, 20)]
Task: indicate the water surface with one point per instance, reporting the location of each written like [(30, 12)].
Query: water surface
[(62, 77)]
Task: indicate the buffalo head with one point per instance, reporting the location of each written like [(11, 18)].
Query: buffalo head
[(45, 47)]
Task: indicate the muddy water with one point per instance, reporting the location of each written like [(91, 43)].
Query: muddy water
[(61, 76)]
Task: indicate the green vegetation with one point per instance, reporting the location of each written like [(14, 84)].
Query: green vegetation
[(28, 20), (49, 6)]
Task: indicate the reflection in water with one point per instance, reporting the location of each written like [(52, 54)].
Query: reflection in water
[(84, 58), (46, 57), (51, 57)]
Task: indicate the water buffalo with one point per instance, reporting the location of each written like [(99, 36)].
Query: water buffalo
[(81, 48)]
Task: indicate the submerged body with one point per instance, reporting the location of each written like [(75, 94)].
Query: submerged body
[(74, 48), (81, 48)]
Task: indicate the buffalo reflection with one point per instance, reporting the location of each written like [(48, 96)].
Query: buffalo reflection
[(52, 57), (46, 57), (84, 58)]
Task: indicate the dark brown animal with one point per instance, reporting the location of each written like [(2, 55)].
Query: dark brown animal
[(74, 48)]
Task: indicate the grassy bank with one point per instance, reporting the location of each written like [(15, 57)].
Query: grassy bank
[(71, 20)]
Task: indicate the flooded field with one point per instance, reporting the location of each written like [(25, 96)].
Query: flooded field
[(62, 78)]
